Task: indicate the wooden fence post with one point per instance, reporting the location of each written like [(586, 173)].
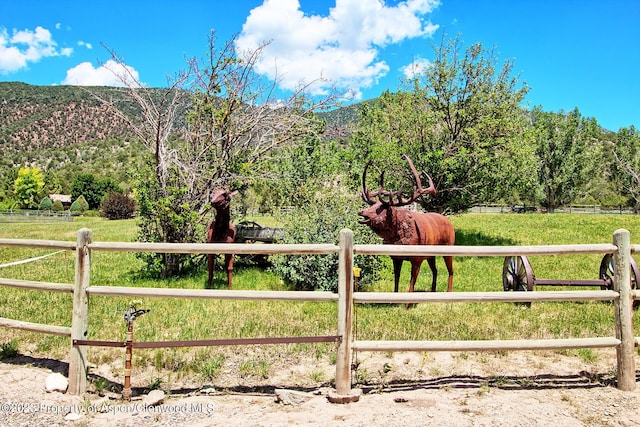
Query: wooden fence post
[(624, 311), (80, 315), (344, 393)]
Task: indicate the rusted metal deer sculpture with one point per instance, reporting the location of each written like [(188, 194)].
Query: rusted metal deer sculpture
[(221, 230), (403, 227)]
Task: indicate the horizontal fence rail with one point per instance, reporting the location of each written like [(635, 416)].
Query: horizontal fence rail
[(38, 244), (486, 345), (35, 327), (40, 286), (212, 343), (416, 250), (622, 297), (214, 294), (416, 297), (217, 248)]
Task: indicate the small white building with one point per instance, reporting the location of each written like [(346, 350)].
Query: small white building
[(65, 199)]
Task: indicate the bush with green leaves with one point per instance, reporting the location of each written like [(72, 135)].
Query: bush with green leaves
[(27, 186), (45, 204), (93, 190), (118, 206), (165, 215), (84, 205), (76, 208), (321, 222), (8, 350), (58, 206)]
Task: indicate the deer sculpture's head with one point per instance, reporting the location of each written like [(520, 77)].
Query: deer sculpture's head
[(378, 212), (221, 198)]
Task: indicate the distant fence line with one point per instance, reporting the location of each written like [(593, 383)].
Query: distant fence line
[(622, 296), (25, 215), (578, 209)]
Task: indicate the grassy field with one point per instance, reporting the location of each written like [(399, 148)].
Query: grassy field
[(207, 319)]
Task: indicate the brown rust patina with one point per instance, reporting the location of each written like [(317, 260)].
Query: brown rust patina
[(221, 230), (398, 226)]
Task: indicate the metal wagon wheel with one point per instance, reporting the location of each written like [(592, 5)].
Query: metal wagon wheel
[(607, 270), (517, 274)]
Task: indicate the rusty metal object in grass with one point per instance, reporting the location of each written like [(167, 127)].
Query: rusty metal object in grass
[(517, 275)]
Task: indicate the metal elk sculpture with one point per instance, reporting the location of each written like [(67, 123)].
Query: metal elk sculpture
[(403, 227), (221, 230)]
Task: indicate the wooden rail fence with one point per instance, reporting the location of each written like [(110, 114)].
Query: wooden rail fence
[(622, 296)]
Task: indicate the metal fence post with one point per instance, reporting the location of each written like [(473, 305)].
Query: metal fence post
[(345, 306), (624, 311), (80, 315)]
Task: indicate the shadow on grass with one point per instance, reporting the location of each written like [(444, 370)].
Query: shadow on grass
[(475, 238)]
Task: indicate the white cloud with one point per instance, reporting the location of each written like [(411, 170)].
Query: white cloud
[(85, 44), (417, 66), (20, 48), (109, 74), (342, 47)]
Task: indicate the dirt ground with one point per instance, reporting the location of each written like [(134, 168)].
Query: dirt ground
[(399, 389)]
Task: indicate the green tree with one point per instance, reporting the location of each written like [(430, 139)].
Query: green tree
[(52, 183), (57, 206), (233, 119), (460, 121), (297, 172), (45, 204), (85, 184), (564, 147), (320, 221), (82, 203), (28, 186), (93, 189), (626, 170)]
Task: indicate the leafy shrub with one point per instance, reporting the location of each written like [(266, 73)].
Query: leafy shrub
[(57, 206), (118, 206), (45, 204), (166, 216), (8, 349), (92, 189), (84, 205), (320, 222), (76, 208)]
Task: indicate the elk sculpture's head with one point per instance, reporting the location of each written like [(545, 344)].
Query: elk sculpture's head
[(221, 198), (378, 212)]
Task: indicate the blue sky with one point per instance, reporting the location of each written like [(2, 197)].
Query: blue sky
[(571, 53)]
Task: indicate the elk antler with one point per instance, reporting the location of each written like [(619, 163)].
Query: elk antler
[(367, 195), (417, 193)]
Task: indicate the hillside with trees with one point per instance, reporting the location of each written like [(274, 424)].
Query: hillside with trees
[(461, 121)]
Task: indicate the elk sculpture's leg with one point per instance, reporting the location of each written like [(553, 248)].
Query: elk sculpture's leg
[(210, 259), (448, 260), (228, 262), (397, 267), (434, 272), (210, 266), (415, 270)]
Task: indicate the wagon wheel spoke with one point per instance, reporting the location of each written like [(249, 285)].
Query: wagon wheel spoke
[(517, 274), (607, 270)]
